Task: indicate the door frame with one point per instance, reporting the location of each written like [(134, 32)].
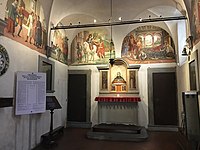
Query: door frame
[(88, 123), (150, 98)]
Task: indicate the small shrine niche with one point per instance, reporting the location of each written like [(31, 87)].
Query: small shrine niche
[(118, 93), (118, 84), (119, 78)]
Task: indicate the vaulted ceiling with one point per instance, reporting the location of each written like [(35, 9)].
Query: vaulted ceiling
[(66, 12), (85, 11)]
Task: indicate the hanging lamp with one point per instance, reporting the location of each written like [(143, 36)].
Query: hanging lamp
[(111, 60)]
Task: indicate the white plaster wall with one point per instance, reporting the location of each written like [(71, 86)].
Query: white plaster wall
[(181, 32), (143, 91), (126, 113), (183, 85), (24, 132)]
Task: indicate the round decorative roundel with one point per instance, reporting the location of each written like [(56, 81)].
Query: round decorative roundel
[(4, 60)]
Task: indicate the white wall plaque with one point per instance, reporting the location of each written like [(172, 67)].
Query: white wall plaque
[(30, 93)]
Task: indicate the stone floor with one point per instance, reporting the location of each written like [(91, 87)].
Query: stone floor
[(76, 139)]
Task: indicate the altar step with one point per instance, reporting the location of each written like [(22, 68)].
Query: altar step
[(118, 132)]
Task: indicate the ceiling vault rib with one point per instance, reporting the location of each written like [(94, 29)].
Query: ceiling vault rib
[(120, 23)]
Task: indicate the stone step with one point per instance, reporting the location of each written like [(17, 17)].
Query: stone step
[(118, 132)]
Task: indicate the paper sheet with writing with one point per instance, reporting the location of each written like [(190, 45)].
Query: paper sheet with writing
[(30, 93)]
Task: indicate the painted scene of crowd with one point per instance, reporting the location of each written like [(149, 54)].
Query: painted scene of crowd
[(59, 46), (26, 23), (92, 47), (195, 20), (148, 45)]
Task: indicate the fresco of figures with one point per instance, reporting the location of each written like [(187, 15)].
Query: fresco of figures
[(195, 21), (59, 46), (148, 44), (92, 47), (26, 23)]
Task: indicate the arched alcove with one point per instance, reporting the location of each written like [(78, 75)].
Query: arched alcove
[(148, 44), (92, 46)]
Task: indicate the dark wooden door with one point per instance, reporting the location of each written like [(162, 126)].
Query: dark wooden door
[(165, 98), (76, 107)]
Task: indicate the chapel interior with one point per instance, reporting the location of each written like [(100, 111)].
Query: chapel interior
[(108, 70)]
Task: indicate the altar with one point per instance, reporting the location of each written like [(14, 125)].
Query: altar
[(118, 109), (119, 93), (118, 104)]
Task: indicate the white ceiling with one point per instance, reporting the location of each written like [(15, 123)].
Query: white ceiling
[(85, 11)]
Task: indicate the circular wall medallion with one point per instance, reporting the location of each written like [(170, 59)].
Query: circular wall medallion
[(4, 60)]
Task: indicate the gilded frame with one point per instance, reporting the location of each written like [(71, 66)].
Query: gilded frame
[(133, 80)]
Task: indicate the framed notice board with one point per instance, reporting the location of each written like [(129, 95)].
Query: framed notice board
[(30, 93)]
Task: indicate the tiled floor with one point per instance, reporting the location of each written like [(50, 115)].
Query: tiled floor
[(75, 139)]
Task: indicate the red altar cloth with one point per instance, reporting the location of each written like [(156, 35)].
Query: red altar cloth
[(118, 99)]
